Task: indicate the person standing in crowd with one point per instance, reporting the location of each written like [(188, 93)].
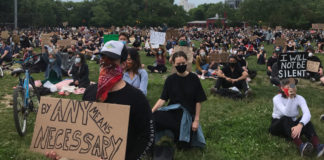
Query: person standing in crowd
[(285, 121), (232, 75), (185, 94), (80, 72), (135, 75), (5, 52), (202, 64), (271, 61), (53, 72)]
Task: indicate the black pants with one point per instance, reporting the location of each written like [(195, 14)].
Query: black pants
[(5, 59), (317, 76), (159, 68), (226, 84), (282, 127), (168, 120)]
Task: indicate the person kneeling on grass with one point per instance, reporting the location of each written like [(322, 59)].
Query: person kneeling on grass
[(285, 122), (180, 120)]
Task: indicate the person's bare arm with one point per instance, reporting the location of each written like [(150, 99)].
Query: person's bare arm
[(195, 123), (158, 105)]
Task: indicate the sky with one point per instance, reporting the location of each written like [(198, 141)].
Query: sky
[(196, 2)]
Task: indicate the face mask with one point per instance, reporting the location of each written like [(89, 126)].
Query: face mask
[(202, 54), (285, 90), (182, 43), (277, 49), (262, 48), (108, 77), (232, 65), (181, 68), (77, 60), (51, 60), (159, 52), (235, 52), (124, 42), (0, 44), (310, 54)]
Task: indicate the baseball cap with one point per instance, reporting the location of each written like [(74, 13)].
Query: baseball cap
[(112, 49)]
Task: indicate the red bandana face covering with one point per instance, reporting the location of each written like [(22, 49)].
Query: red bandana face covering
[(108, 77)]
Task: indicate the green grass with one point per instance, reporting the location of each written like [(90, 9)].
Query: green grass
[(234, 129)]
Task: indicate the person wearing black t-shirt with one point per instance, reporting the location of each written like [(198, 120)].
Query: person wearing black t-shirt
[(182, 88), (271, 61), (232, 75), (314, 76), (111, 88)]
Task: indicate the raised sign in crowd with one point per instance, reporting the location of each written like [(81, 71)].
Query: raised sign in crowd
[(118, 98)]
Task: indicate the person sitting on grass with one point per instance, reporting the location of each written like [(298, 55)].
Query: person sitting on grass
[(180, 120), (135, 75), (202, 64), (53, 72), (232, 75), (5, 52), (285, 121), (314, 76), (80, 72), (160, 55)]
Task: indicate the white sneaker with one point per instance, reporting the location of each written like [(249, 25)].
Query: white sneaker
[(202, 77)]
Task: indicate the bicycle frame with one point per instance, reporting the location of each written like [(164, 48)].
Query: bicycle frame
[(26, 87)]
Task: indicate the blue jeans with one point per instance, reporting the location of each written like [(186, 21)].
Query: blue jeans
[(205, 67)]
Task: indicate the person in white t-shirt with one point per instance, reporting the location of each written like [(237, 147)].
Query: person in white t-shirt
[(287, 123)]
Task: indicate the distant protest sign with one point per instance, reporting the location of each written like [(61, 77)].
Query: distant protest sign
[(172, 33), (5, 35), (318, 26), (292, 65), (81, 130), (280, 42), (313, 66), (46, 39), (219, 57), (157, 37), (16, 39), (64, 42), (278, 28), (110, 37)]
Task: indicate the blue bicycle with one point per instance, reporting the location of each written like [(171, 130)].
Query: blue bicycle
[(25, 97)]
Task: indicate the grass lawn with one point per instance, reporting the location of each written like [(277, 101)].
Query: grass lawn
[(234, 129)]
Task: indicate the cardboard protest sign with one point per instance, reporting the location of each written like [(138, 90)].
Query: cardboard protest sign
[(65, 23), (64, 42), (155, 45), (219, 57), (318, 26), (46, 39), (110, 37), (188, 51), (5, 35), (278, 28), (253, 38), (81, 130), (157, 37), (292, 65), (280, 42), (16, 39), (313, 66), (172, 33)]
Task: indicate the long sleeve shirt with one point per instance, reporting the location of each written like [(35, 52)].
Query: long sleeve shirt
[(289, 107), (139, 81)]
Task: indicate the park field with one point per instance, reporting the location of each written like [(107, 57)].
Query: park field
[(234, 129)]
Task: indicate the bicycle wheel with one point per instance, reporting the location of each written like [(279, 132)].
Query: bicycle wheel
[(1, 72), (20, 112)]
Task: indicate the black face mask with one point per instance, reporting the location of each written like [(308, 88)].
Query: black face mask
[(181, 68), (232, 65)]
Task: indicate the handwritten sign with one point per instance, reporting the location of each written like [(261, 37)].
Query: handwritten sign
[(110, 37), (219, 57), (157, 37), (278, 28), (313, 66), (5, 35), (292, 65), (46, 39), (280, 42), (172, 33), (317, 26), (64, 42), (16, 39), (81, 130)]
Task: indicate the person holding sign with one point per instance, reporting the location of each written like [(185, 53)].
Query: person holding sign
[(285, 121), (111, 88), (314, 76), (135, 75), (185, 94)]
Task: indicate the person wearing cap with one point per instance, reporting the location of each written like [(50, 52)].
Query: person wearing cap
[(232, 75), (285, 121), (111, 88)]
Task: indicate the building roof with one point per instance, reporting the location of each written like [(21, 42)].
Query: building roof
[(215, 18), (195, 22)]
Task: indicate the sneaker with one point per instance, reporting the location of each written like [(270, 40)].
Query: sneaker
[(320, 150), (313, 79), (305, 148), (202, 77), (322, 117), (248, 92)]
